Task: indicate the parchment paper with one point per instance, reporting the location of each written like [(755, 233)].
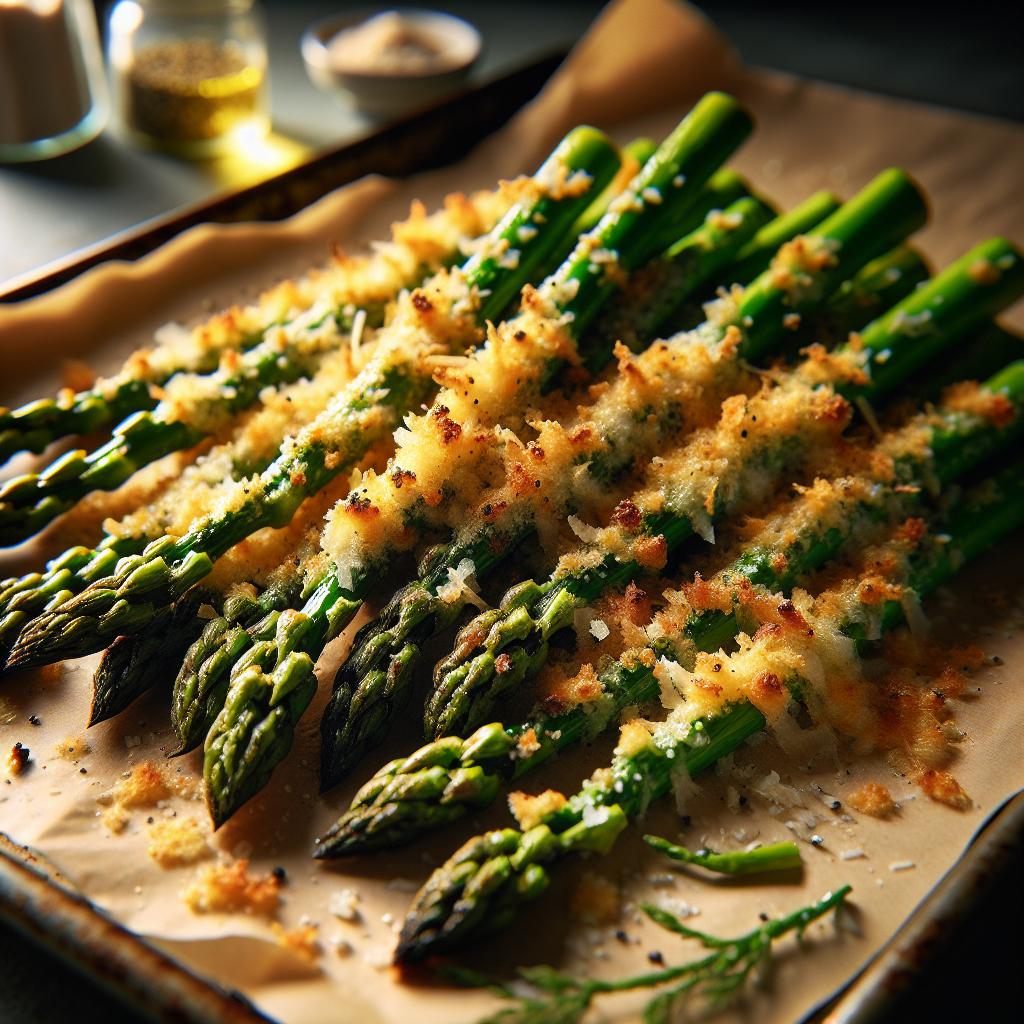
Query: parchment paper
[(638, 70)]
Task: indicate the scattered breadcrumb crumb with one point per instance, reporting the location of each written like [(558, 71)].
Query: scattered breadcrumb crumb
[(174, 842), (874, 799), (303, 940), (116, 818), (229, 889), (145, 787), (943, 788), (73, 747)]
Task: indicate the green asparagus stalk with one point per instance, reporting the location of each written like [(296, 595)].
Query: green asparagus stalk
[(486, 882), (723, 188), (450, 777), (687, 268), (754, 257), (582, 286), (131, 665), (197, 696), (254, 443), (894, 347), (368, 409), (375, 682), (30, 501), (25, 597), (758, 861), (881, 284), (634, 155), (717, 978)]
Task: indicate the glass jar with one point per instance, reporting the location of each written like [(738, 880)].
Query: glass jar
[(53, 95), (190, 76)]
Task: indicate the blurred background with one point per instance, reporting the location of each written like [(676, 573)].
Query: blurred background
[(967, 58), (964, 56)]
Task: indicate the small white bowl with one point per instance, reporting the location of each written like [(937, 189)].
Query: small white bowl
[(386, 94)]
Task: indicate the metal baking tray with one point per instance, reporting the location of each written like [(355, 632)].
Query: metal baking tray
[(39, 903)]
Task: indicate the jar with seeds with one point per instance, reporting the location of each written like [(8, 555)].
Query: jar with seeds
[(190, 76)]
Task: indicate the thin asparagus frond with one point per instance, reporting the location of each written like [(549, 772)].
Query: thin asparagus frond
[(716, 978), (783, 856)]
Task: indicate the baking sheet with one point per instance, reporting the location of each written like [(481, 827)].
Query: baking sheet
[(641, 66)]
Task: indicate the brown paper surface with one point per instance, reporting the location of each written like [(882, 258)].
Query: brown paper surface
[(642, 64)]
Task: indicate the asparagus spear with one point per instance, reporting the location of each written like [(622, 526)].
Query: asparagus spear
[(891, 350), (879, 285), (29, 501), (419, 246), (366, 410), (375, 682), (450, 777), (150, 659), (491, 876), (27, 596), (131, 665), (197, 696), (579, 288)]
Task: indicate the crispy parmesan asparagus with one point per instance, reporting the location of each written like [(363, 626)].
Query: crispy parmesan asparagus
[(202, 682), (250, 735), (212, 478), (195, 407), (441, 316), (201, 686), (419, 246), (376, 678), (448, 778), (683, 502), (483, 885)]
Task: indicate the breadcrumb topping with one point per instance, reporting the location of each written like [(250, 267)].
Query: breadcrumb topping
[(229, 888)]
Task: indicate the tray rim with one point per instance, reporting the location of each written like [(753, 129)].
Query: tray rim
[(38, 902)]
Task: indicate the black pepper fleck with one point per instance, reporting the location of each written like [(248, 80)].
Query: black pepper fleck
[(656, 956)]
